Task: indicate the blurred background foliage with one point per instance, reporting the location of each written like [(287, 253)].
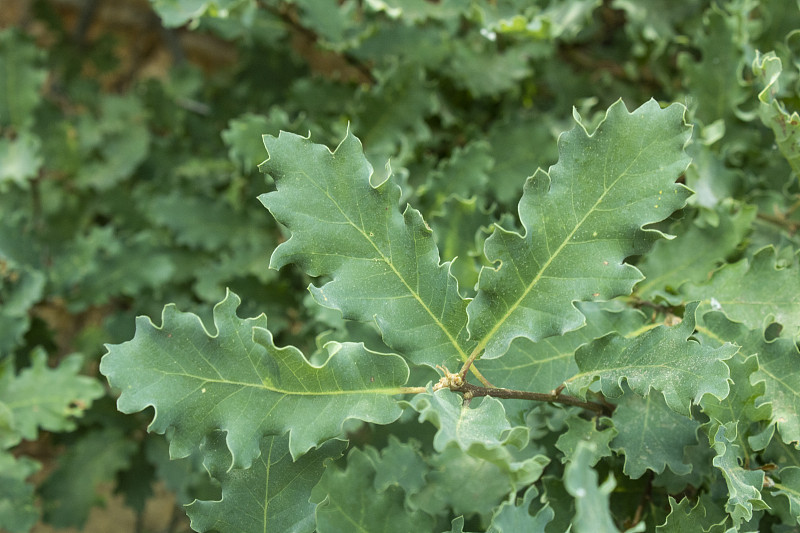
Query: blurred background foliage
[(129, 139)]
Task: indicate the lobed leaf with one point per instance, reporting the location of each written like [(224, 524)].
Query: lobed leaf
[(786, 126), (651, 435), (581, 220), (18, 512), (662, 358), (352, 504), (238, 381), (43, 397), (582, 430), (384, 265), (789, 487), (272, 495), (592, 513), (744, 486), (513, 517), (754, 292), (698, 249), (775, 383), (458, 422)]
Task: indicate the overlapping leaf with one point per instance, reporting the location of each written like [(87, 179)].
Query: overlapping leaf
[(385, 265), (43, 397), (744, 486), (786, 126), (777, 376), (238, 381), (511, 517), (544, 365), (755, 291), (272, 495), (592, 512), (651, 435), (485, 425), (663, 358), (581, 220), (697, 250), (582, 430), (351, 503), (18, 512)]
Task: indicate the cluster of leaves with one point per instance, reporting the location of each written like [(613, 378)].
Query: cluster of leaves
[(605, 345)]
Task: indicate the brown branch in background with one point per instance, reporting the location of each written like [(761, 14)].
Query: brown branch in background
[(340, 66)]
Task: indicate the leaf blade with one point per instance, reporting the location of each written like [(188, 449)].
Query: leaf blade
[(579, 256)]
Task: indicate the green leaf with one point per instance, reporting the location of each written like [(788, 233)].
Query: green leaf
[(20, 288), (582, 430), (662, 358), (484, 425), (713, 79), (544, 365), (236, 380), (385, 266), (398, 464), (465, 484), (592, 512), (683, 518), (740, 405), (352, 504), (178, 12), (114, 144), (21, 78), (789, 487), (651, 435), (744, 486), (43, 397), (458, 227), (272, 495), (514, 517), (786, 126), (20, 160), (581, 220), (18, 512), (71, 490), (697, 250), (755, 292), (777, 376)]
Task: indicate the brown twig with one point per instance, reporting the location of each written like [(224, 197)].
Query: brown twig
[(456, 383)]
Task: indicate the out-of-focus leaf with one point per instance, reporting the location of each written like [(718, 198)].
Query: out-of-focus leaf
[(786, 126), (21, 77), (43, 397), (71, 490), (272, 495), (744, 486), (351, 503), (18, 511)]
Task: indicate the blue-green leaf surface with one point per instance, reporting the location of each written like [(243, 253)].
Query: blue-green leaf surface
[(236, 380), (581, 220)]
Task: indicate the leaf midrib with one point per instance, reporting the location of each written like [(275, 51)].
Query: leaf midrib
[(390, 264), (262, 386), (498, 324)]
